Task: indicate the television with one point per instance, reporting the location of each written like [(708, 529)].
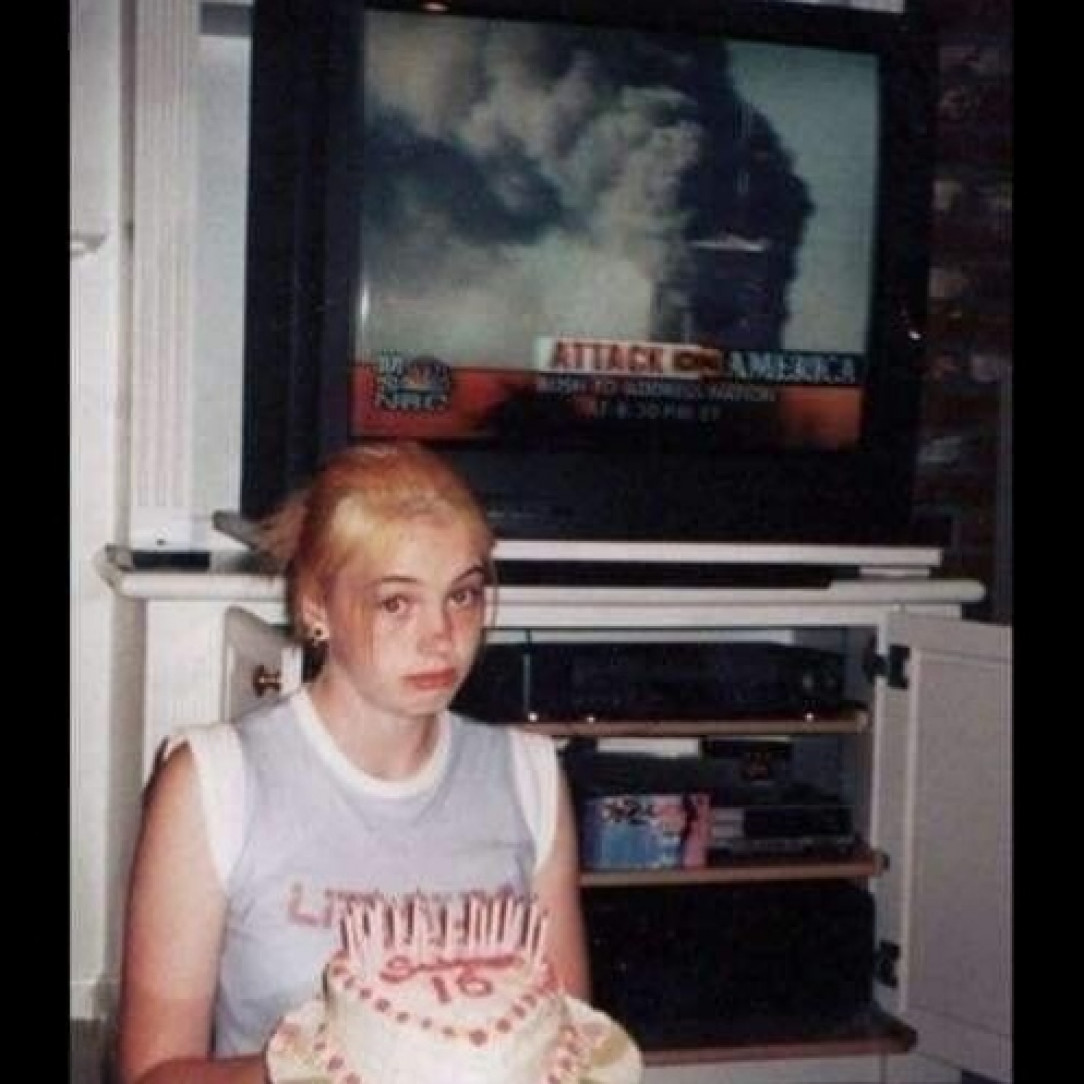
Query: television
[(644, 271)]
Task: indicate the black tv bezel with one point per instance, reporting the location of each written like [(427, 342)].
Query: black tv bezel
[(303, 258)]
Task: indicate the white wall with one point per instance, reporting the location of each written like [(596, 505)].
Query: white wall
[(220, 248), (96, 427)]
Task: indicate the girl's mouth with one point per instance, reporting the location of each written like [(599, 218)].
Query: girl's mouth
[(432, 680)]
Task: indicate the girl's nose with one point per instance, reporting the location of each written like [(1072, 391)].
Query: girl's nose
[(436, 630)]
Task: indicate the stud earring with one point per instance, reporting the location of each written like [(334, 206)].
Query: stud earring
[(317, 635)]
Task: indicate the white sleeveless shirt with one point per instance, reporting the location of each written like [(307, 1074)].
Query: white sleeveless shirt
[(296, 831)]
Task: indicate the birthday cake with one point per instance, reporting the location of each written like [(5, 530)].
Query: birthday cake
[(459, 991)]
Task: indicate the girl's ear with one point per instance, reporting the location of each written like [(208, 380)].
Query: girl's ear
[(313, 618)]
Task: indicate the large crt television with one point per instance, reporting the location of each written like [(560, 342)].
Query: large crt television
[(643, 270)]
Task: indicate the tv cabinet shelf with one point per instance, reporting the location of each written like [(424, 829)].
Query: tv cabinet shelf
[(874, 1033), (863, 862), (851, 720)]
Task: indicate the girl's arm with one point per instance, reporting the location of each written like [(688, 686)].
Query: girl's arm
[(172, 943), (557, 885)]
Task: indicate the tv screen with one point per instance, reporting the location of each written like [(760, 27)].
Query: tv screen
[(642, 274)]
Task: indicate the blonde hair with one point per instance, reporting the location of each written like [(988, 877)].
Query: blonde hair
[(357, 502)]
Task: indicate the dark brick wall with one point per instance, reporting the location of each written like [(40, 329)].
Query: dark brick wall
[(969, 355)]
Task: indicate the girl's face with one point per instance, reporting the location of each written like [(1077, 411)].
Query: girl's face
[(404, 627)]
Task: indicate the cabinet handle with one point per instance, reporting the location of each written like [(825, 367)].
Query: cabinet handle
[(265, 680)]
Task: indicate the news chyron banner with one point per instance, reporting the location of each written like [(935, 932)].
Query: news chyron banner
[(802, 398)]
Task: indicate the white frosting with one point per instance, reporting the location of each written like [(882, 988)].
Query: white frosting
[(458, 994)]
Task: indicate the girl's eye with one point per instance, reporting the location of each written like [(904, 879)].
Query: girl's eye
[(394, 604), (464, 598)]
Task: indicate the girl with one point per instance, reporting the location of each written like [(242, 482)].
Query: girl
[(256, 833)]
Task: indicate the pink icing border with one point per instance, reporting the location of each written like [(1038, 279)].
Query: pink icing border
[(570, 1058)]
